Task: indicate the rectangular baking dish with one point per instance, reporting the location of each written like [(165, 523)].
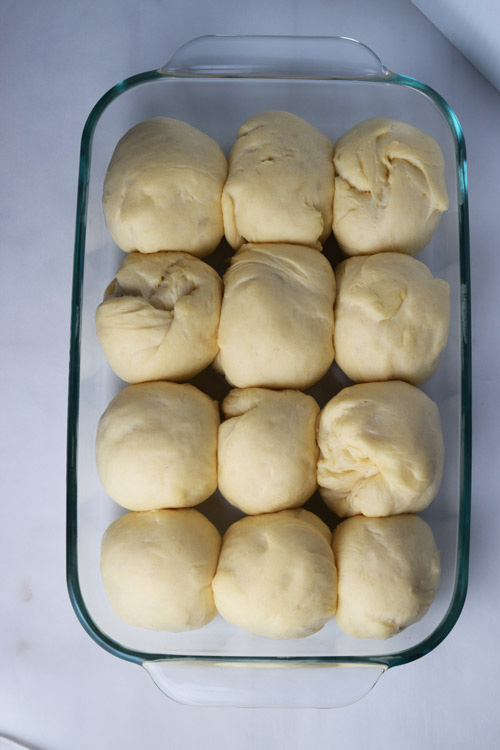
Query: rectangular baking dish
[(215, 83)]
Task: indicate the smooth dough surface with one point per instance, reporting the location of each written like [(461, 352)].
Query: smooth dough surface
[(388, 574), (157, 569), (280, 182), (391, 318), (163, 189), (267, 449), (276, 575), (156, 446), (390, 190), (276, 325), (160, 316), (381, 450)]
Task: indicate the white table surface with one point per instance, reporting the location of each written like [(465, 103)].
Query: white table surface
[(58, 689)]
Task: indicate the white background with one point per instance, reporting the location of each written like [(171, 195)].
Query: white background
[(58, 689)]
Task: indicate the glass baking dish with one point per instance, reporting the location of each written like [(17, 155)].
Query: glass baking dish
[(215, 83)]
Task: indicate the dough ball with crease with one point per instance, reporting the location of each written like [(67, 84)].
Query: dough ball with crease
[(388, 574), (157, 569), (390, 189), (159, 317), (276, 575), (381, 450), (163, 189), (267, 449), (280, 182), (391, 318), (156, 446), (276, 326)]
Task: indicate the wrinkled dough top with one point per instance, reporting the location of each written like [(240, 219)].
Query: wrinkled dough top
[(381, 450), (280, 182), (159, 317), (391, 318), (276, 322), (390, 189), (267, 449)]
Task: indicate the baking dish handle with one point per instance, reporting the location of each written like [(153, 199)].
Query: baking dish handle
[(263, 685), (276, 57)]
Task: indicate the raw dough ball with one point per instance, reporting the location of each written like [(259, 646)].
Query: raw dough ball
[(381, 450), (267, 449), (156, 446), (391, 318), (276, 326), (276, 575), (159, 317), (163, 189), (280, 182), (157, 569), (388, 574), (389, 188)]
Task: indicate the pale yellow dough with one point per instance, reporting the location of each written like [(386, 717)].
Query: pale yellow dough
[(156, 446), (160, 316), (390, 189), (388, 574), (163, 189), (276, 326), (267, 449), (276, 575), (157, 569), (391, 318), (280, 182), (381, 450)]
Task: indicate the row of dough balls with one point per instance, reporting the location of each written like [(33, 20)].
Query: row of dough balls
[(277, 321), (169, 186), (280, 575), (375, 449)]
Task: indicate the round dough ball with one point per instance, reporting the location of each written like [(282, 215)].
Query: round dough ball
[(388, 574), (381, 450), (280, 182), (276, 575), (391, 318), (156, 446), (276, 325), (157, 569), (390, 190), (163, 189), (267, 449), (160, 316)]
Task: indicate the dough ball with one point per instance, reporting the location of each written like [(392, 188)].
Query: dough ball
[(156, 446), (391, 318), (390, 190), (267, 449), (163, 189), (157, 569), (280, 182), (160, 316), (276, 326), (381, 450), (388, 574), (276, 575)]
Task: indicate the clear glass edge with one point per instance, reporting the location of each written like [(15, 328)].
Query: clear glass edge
[(171, 69), (460, 590)]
